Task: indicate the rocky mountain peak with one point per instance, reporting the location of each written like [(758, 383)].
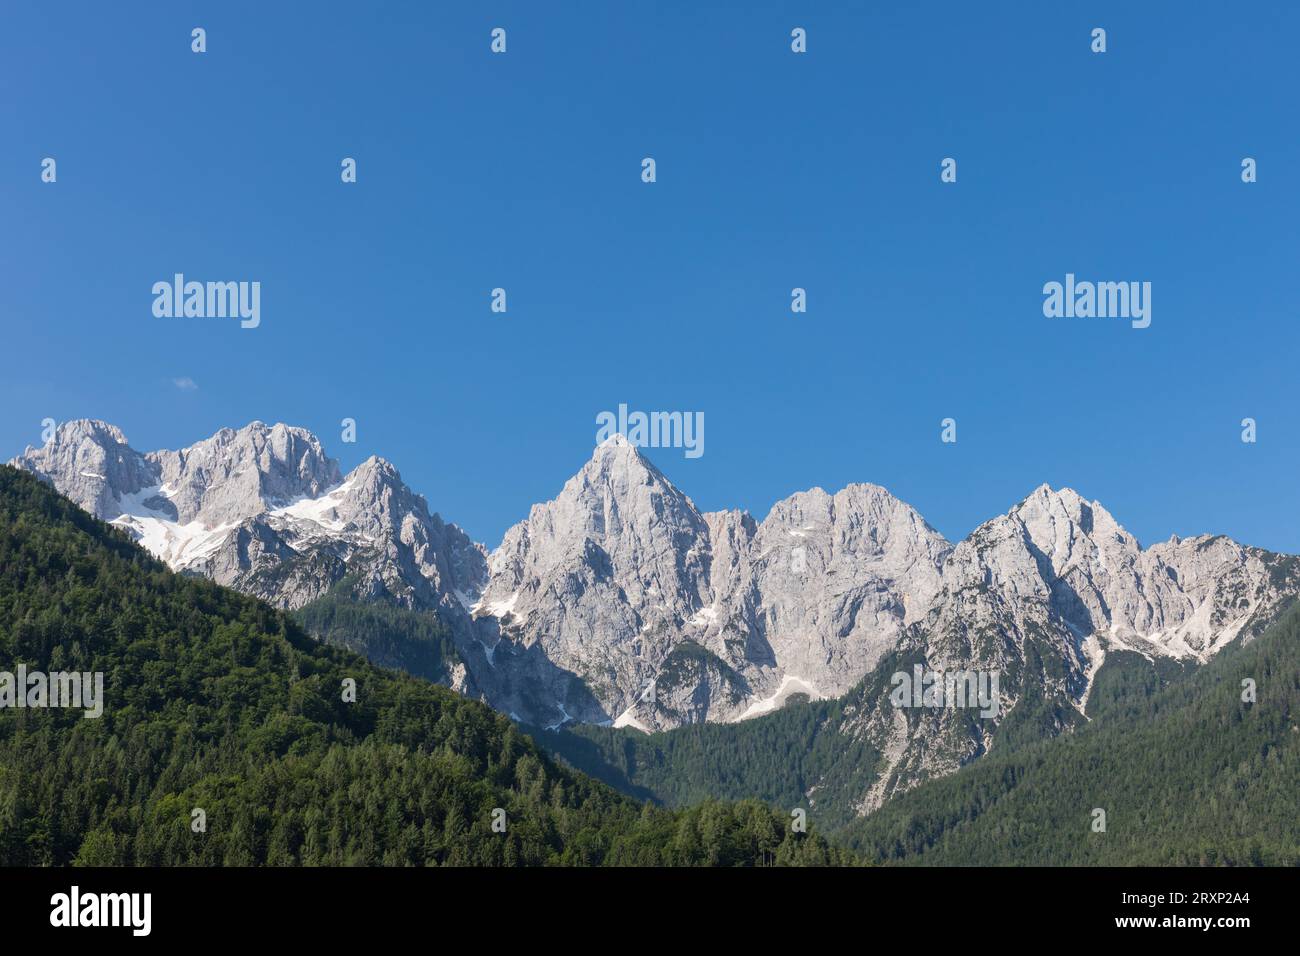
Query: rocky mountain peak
[(616, 440), (92, 430), (90, 462), (620, 576), (616, 461), (374, 475), (1070, 531), (1048, 506), (264, 509), (617, 499), (619, 584), (236, 474)]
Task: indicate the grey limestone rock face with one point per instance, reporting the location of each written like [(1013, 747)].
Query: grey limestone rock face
[(1039, 596), (263, 509), (600, 582), (238, 474), (620, 571), (619, 601), (90, 463)]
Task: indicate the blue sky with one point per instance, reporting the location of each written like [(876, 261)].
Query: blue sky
[(775, 170)]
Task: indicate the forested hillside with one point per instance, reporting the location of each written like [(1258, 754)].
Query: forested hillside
[(216, 702), (1190, 774), (777, 759), (385, 634), (802, 755), (1186, 771)]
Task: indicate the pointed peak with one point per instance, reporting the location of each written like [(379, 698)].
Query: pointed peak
[(1046, 493), (1046, 489), (617, 453), (618, 465), (616, 440), (378, 463), (1048, 504)]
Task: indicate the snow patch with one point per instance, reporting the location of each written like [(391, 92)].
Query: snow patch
[(1094, 653), (564, 717), (627, 719), (497, 608), (175, 543), (703, 617), (466, 600), (181, 545), (790, 685), (322, 511)]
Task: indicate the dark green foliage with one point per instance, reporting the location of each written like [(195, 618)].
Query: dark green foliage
[(216, 701), (1127, 681), (385, 634), (1187, 773), (776, 759), (688, 660), (809, 754)]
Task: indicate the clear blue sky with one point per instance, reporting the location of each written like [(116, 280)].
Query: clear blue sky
[(774, 171)]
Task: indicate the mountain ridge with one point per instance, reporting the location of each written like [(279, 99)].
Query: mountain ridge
[(228, 737), (619, 602)]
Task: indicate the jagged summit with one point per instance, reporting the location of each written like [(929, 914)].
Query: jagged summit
[(375, 468), (88, 429), (616, 440), (1062, 504), (619, 583), (617, 450), (1046, 496), (620, 572), (264, 509)]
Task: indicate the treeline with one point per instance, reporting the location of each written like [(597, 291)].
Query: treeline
[(225, 738), (1186, 772), (796, 757), (810, 754)]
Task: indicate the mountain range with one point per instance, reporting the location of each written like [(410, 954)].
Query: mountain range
[(619, 602), (225, 738)]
